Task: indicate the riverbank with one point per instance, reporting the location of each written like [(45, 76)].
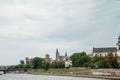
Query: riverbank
[(87, 76), (72, 73)]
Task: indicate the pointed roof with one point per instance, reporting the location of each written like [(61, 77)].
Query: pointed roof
[(107, 49), (57, 52)]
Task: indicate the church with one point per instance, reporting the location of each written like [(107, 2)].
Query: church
[(105, 51), (59, 57)]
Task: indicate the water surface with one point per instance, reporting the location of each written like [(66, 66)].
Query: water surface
[(41, 77)]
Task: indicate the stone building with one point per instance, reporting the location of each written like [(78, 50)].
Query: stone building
[(60, 57), (64, 58), (47, 58), (28, 60), (105, 51)]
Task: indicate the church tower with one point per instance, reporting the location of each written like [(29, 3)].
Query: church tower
[(118, 44), (47, 58), (57, 53)]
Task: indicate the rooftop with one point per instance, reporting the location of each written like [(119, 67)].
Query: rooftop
[(107, 49)]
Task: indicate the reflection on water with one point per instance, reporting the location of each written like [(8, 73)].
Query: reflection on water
[(41, 77)]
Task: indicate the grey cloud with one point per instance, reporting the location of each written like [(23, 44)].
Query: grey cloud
[(42, 26)]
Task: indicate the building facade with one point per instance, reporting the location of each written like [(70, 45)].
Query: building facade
[(105, 51), (28, 60), (60, 57), (47, 58), (64, 58)]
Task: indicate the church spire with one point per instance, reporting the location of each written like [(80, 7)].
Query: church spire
[(57, 53)]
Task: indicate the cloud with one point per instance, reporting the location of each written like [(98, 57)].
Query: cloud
[(29, 20), (33, 28)]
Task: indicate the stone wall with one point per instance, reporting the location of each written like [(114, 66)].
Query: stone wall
[(106, 72)]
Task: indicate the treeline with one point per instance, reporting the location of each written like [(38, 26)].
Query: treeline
[(78, 59), (82, 60), (41, 63), (38, 63)]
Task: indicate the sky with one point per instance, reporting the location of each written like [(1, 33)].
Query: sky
[(32, 28)]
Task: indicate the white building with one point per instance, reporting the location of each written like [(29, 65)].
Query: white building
[(68, 63), (104, 51)]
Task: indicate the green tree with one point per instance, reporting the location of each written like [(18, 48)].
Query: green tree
[(58, 65), (61, 64), (54, 64), (80, 59), (98, 62), (102, 63), (27, 66), (45, 65), (22, 62), (111, 60), (37, 63)]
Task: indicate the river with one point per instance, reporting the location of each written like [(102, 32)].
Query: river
[(41, 77)]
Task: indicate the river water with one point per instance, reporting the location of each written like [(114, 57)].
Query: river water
[(41, 77)]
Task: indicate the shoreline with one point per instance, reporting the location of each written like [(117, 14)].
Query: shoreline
[(85, 76)]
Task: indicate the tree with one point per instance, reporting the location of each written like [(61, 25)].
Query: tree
[(45, 65), (58, 65), (102, 63), (61, 64), (54, 64), (22, 62), (98, 62), (27, 66), (21, 65), (80, 59), (37, 63), (111, 60)]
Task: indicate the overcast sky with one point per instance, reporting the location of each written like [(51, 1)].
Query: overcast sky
[(30, 28)]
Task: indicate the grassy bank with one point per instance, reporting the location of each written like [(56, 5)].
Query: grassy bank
[(57, 71), (60, 71)]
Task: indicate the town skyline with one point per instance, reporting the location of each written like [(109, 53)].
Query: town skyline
[(34, 28)]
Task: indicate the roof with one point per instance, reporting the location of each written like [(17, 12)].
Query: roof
[(109, 49)]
